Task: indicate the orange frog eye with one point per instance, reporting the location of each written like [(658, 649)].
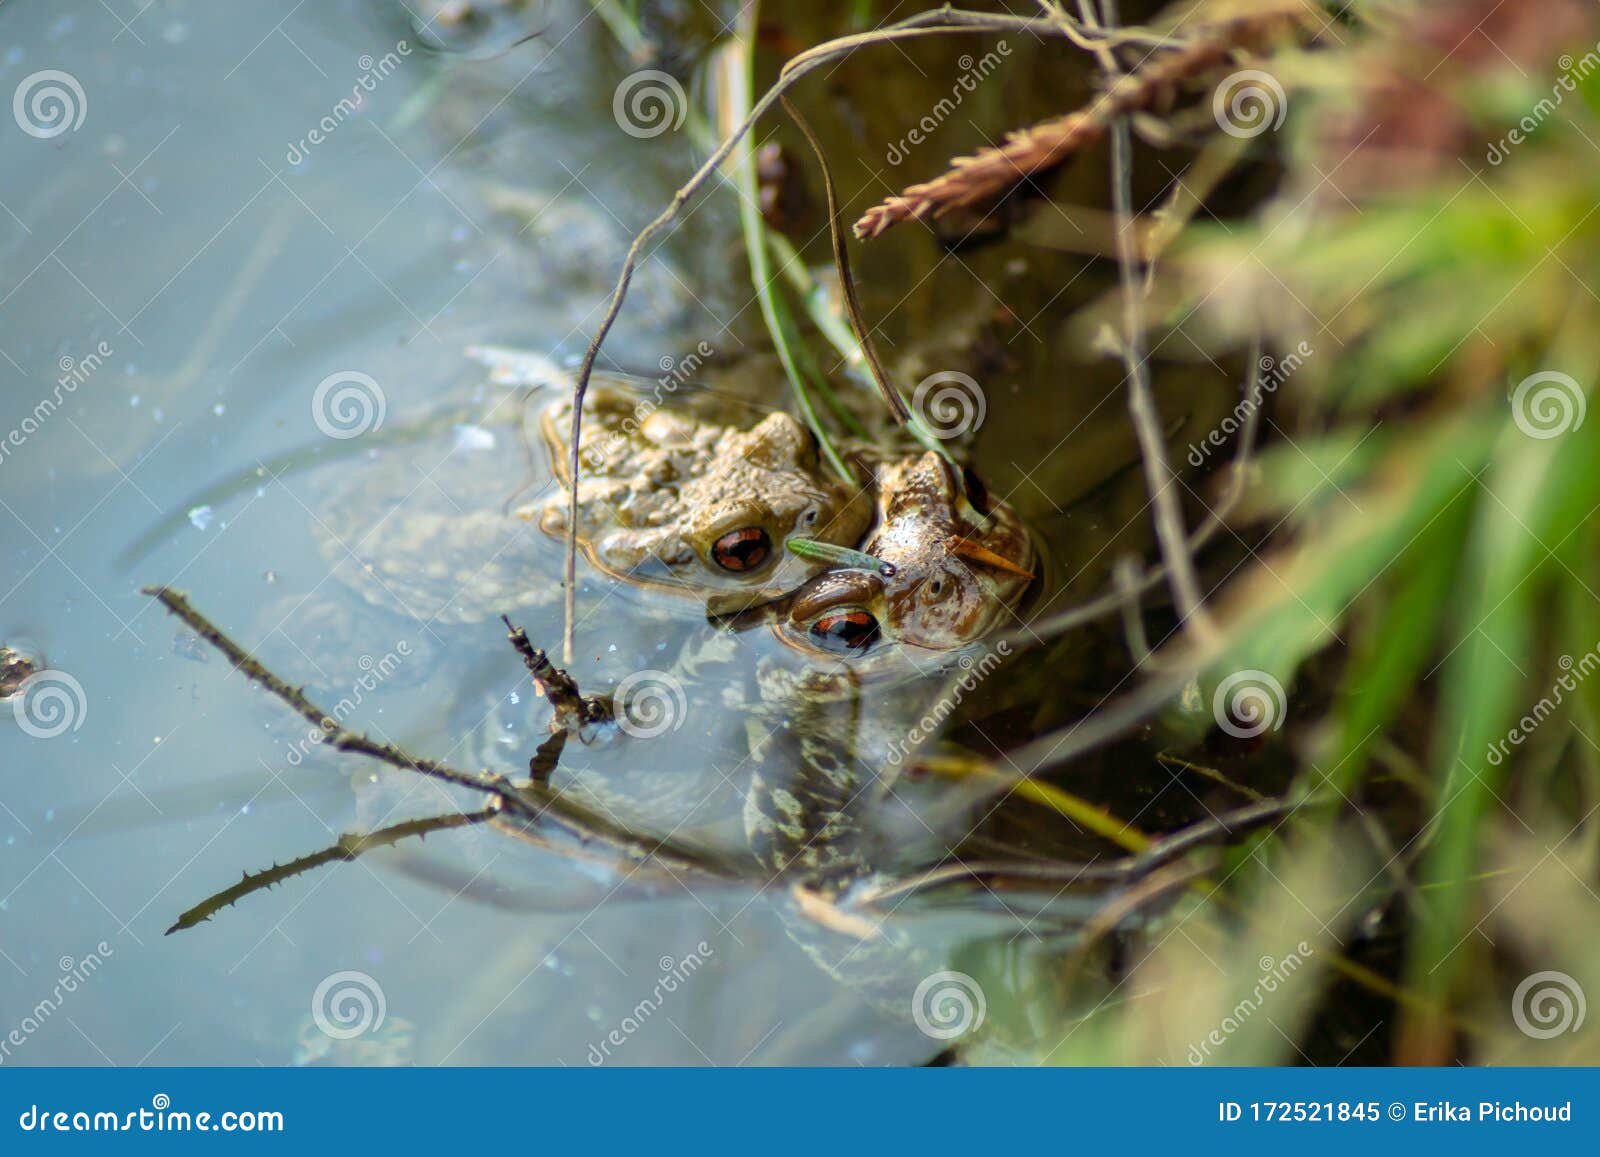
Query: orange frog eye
[(742, 550), (846, 631)]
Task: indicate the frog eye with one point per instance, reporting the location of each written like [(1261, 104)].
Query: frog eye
[(742, 550), (845, 631)]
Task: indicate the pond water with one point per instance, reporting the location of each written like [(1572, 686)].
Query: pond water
[(244, 285)]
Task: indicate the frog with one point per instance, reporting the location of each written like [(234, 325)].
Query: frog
[(944, 567), (675, 498), (952, 564), (689, 497)]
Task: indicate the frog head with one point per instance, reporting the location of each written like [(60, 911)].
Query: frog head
[(952, 565)]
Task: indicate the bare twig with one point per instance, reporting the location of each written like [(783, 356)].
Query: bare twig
[(1060, 874), (1159, 476), (335, 735), (1125, 573)]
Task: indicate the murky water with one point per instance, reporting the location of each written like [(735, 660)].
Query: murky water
[(205, 263), (264, 206)]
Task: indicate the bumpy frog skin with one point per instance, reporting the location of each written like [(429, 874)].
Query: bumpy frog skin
[(678, 500), (957, 569)]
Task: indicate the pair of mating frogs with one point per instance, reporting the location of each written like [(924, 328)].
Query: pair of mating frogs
[(872, 583), (748, 519)]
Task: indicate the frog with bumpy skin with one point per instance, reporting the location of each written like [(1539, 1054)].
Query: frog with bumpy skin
[(682, 498), (696, 498), (951, 565), (880, 645), (873, 645)]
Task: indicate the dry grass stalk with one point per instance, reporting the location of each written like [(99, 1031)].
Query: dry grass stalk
[(991, 172)]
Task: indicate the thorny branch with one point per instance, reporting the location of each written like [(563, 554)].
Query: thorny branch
[(346, 848), (573, 710), (532, 801)]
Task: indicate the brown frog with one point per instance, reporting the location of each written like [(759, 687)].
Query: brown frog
[(951, 563), (685, 498), (880, 650)]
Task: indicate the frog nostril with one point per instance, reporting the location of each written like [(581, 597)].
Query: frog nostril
[(742, 550), (849, 631)]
